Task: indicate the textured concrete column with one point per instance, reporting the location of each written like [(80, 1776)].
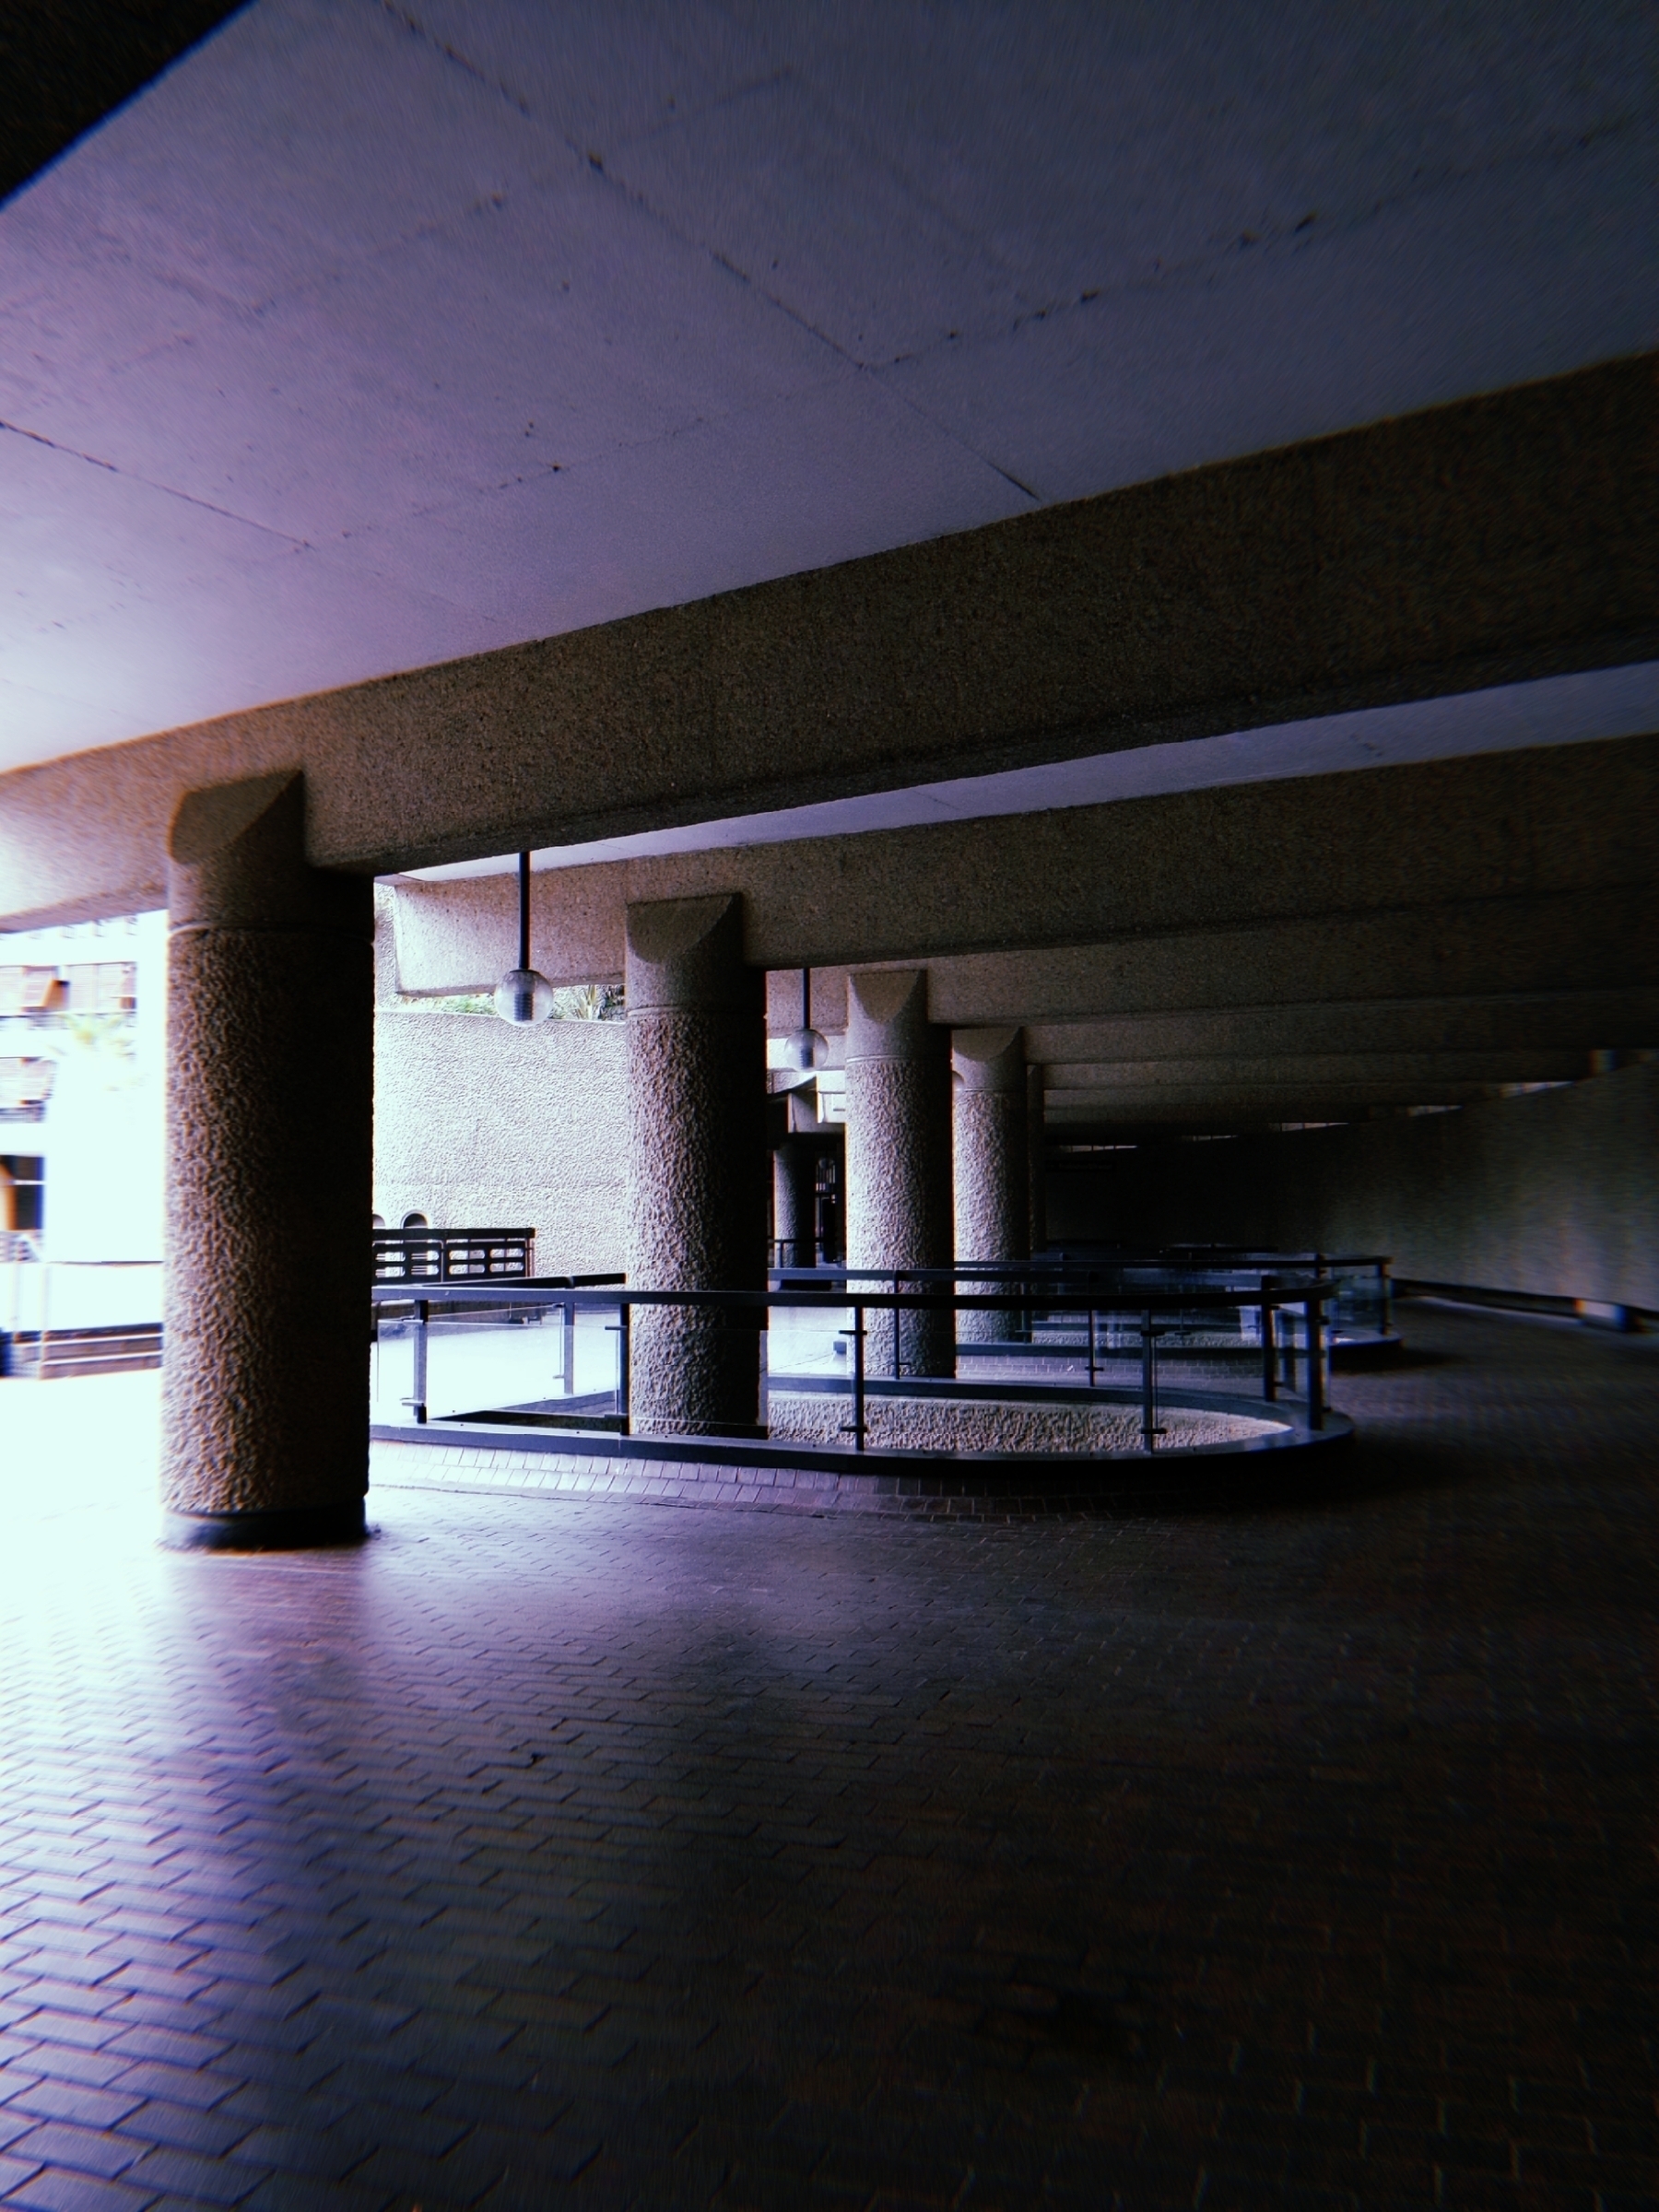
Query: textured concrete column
[(795, 1200), (993, 1175), (899, 1200), (1037, 1155), (270, 1051), (696, 1162)]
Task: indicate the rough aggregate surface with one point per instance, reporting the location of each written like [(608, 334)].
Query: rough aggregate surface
[(696, 1169), (270, 1056), (992, 1177), (982, 1424), (899, 1193)]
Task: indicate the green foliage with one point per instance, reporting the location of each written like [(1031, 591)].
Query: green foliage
[(577, 1002), (108, 1040), (589, 1002), (459, 1002)]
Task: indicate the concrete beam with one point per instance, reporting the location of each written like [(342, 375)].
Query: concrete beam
[(1594, 951), (1562, 1022), (1594, 942), (1512, 871), (1487, 541), (1257, 1106), (1425, 1073), (1538, 1021)]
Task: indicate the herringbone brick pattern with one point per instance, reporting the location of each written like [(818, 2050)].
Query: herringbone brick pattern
[(547, 1853)]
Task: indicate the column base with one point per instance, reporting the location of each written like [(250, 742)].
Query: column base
[(306, 1528)]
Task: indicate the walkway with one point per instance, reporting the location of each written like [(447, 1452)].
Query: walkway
[(598, 1853)]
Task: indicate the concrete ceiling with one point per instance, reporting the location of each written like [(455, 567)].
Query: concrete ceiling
[(369, 336)]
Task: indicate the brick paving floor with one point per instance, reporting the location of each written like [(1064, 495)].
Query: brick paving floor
[(550, 1853)]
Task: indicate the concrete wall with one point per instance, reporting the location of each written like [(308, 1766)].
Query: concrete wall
[(1556, 1192), (481, 1125)]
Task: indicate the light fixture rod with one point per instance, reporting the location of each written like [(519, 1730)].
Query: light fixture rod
[(523, 959), (805, 998)]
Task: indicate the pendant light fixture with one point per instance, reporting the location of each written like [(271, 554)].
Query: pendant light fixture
[(522, 996), (808, 1048)]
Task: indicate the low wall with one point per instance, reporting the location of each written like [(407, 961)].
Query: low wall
[(1555, 1194), (479, 1125)]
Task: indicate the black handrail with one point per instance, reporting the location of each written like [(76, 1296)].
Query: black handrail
[(1272, 1295), (1184, 1258), (1365, 1306), (1292, 1291)]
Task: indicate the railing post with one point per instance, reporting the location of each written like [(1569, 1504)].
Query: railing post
[(569, 1348), (1092, 1348), (858, 1378), (763, 1363), (858, 1374), (623, 1325), (1316, 1330), (421, 1312), (1269, 1347), (1149, 1385)]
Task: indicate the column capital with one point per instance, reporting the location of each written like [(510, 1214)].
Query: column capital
[(688, 954), (887, 1017), (990, 1059), (235, 859)]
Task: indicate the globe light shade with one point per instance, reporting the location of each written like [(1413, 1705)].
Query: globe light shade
[(805, 1048), (522, 996)]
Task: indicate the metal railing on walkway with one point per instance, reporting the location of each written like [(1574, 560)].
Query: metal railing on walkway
[(1361, 1304), (1277, 1325), (60, 1318)]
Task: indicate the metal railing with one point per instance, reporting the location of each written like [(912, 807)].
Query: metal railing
[(60, 1318), (1287, 1333), (447, 1255), (1361, 1306), (1364, 1303)]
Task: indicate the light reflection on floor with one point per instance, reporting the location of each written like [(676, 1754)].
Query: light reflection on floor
[(546, 1852), (79, 1463)]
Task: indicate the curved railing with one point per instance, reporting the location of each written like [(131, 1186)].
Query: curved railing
[(1278, 1324), (1361, 1309)]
